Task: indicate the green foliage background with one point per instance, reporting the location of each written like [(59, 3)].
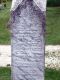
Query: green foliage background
[(53, 3)]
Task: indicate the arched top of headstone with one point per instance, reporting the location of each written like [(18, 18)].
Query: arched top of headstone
[(40, 3)]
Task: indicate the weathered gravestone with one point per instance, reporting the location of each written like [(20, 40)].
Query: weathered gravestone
[(27, 39)]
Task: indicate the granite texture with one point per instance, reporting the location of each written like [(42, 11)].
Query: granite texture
[(27, 42)]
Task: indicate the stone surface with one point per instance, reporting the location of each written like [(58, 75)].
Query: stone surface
[(40, 3), (27, 42)]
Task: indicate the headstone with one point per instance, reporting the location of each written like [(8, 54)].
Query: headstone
[(27, 39), (1, 6)]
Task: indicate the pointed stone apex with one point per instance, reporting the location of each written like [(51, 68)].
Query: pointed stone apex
[(40, 3)]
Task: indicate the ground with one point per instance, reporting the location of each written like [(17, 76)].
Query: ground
[(4, 32), (50, 74), (52, 25), (5, 73)]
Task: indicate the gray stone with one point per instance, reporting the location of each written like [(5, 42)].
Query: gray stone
[(1, 6), (27, 41)]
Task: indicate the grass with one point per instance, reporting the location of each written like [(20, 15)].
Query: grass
[(5, 73), (50, 74), (52, 25), (4, 32)]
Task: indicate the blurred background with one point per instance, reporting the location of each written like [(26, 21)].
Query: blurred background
[(52, 39)]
